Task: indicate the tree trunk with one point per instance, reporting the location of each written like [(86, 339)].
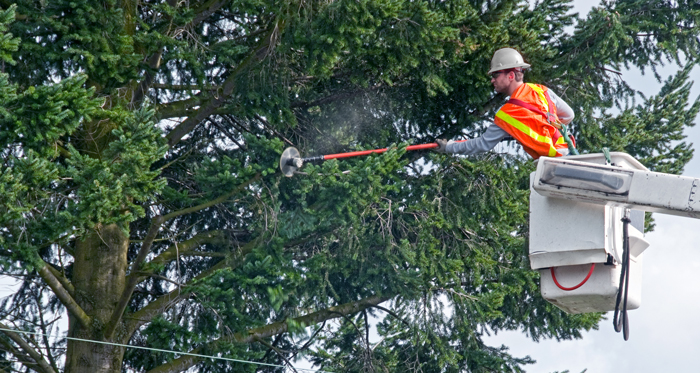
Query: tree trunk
[(99, 279)]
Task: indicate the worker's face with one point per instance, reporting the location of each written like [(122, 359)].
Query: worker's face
[(501, 80)]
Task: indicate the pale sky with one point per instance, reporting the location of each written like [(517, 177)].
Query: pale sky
[(664, 332)]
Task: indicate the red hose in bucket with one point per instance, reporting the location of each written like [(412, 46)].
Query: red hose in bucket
[(590, 272)]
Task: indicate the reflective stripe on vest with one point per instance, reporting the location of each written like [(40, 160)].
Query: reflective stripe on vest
[(540, 92), (522, 127)]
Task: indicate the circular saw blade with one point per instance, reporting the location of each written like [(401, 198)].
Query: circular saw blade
[(286, 166)]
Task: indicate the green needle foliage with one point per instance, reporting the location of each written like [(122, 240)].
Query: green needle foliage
[(141, 198)]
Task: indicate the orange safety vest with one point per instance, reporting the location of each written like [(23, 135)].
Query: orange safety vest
[(529, 116)]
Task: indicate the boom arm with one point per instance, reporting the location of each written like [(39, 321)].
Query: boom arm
[(601, 184)]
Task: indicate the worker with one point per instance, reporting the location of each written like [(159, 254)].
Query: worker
[(533, 115)]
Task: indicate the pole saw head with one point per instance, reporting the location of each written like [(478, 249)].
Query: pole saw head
[(290, 161)]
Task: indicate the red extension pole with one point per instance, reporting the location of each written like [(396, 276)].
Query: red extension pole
[(291, 160)]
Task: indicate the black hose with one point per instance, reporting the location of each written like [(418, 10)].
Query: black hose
[(620, 319)]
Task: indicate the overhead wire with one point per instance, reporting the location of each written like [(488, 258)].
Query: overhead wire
[(171, 352)]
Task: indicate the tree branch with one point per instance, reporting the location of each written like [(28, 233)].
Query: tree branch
[(186, 247), (255, 334), (62, 279), (143, 86), (210, 106), (19, 356), (281, 353), (180, 108), (160, 305), (183, 87), (228, 134), (145, 314), (154, 308), (163, 303), (271, 129), (204, 11), (45, 336), (392, 313), (213, 202), (157, 307), (36, 356), (201, 13), (64, 296)]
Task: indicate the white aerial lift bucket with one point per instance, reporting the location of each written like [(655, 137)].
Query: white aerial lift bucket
[(577, 246)]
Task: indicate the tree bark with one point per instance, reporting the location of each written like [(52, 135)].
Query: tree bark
[(99, 281)]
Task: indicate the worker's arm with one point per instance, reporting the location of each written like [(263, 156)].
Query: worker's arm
[(564, 111), (491, 137)]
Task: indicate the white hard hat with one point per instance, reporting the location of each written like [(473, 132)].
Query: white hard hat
[(507, 58)]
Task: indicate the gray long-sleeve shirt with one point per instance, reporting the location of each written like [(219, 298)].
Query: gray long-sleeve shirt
[(494, 134)]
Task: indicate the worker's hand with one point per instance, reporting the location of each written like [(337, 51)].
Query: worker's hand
[(442, 144)]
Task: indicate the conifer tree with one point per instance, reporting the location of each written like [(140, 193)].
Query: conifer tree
[(140, 197)]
